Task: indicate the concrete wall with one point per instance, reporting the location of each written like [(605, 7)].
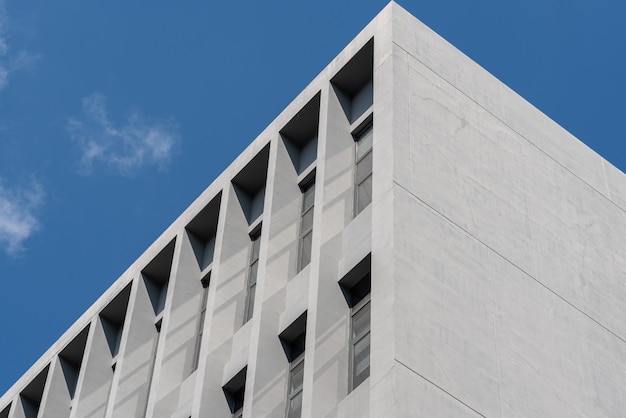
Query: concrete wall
[(508, 248)]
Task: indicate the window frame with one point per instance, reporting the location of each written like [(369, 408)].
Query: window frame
[(253, 261), (358, 135), (305, 187), (364, 303), (298, 391), (205, 282)]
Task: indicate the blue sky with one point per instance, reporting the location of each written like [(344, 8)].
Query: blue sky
[(116, 115)]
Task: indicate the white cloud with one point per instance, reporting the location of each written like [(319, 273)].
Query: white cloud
[(18, 220), (10, 62), (140, 141), (4, 48)]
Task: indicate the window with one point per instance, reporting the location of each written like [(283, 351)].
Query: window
[(293, 341), (202, 315), (363, 172), (252, 273), (238, 413), (306, 225), (234, 392), (294, 389), (359, 301)]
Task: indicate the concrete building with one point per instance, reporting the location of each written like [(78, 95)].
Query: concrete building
[(409, 237)]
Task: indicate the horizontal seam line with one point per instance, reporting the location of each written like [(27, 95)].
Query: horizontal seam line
[(510, 262), (602, 159), (440, 388)]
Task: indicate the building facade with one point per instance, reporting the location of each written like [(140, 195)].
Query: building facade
[(409, 237)]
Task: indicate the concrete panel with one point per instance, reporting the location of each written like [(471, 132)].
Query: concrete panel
[(416, 397), (553, 360), (442, 305), (271, 366), (286, 203), (230, 282), (466, 165), (452, 65), (56, 401), (210, 399), (338, 169), (182, 330), (477, 84), (577, 240), (552, 139), (395, 124), (130, 394), (94, 385)]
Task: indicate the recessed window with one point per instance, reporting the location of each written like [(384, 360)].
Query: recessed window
[(356, 287), (252, 275), (249, 186), (360, 342), (293, 341), (234, 392), (202, 231), (238, 404), (70, 360), (112, 320), (32, 394), (306, 225), (363, 171), (294, 395), (201, 319)]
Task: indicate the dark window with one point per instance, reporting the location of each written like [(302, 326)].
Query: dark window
[(234, 392)]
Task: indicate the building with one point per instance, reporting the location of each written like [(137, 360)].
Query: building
[(409, 237)]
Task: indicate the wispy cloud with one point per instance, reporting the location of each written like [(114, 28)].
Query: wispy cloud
[(4, 48), (9, 61), (18, 220), (140, 141)]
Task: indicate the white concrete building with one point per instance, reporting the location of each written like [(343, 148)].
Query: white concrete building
[(408, 238)]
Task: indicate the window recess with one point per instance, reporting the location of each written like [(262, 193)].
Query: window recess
[(253, 269), (306, 223), (293, 340), (356, 288), (202, 231), (234, 392), (363, 140)]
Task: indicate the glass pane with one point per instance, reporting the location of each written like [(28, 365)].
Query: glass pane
[(255, 249), (364, 142), (308, 197), (253, 271), (364, 194), (361, 322), (296, 376), (307, 221), (364, 168), (361, 363), (250, 302), (305, 250), (295, 406)]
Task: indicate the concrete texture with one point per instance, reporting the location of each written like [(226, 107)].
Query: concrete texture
[(494, 240)]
